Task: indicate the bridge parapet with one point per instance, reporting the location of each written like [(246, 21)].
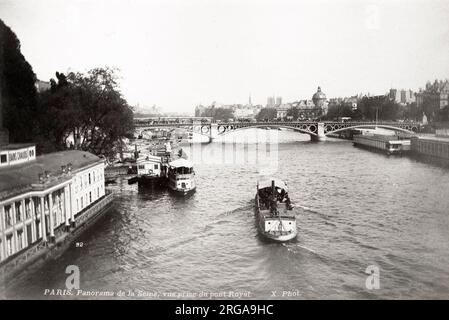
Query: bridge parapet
[(410, 127), (317, 130)]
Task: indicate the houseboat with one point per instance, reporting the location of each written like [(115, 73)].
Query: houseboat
[(181, 176), (391, 144), (274, 212), (150, 171)]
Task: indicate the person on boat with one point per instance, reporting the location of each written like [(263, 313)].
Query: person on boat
[(283, 197)]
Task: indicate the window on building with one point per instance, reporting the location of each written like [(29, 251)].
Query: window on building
[(156, 166), (3, 158), (27, 208), (89, 179), (8, 216), (38, 229), (9, 246), (19, 239), (90, 197), (29, 235), (18, 211)]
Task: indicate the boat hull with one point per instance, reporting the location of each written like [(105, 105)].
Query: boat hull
[(151, 181), (182, 192), (269, 226), (280, 238)]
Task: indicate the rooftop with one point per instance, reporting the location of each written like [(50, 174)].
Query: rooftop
[(14, 146), (20, 178)]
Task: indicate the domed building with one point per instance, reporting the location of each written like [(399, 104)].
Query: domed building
[(319, 100)]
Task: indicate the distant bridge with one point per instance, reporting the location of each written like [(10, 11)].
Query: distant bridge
[(316, 129)]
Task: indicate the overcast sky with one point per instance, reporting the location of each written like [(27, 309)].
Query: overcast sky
[(176, 54)]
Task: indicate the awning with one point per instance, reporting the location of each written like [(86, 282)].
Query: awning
[(277, 183), (179, 163)]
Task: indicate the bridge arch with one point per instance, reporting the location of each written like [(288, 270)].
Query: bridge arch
[(310, 129), (360, 126), (207, 133)]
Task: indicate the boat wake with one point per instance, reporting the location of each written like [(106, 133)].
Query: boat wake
[(244, 208), (306, 248)]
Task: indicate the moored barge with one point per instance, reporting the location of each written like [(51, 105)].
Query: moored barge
[(390, 144), (150, 172)]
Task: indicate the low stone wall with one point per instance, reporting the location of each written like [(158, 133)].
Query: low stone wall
[(437, 148)]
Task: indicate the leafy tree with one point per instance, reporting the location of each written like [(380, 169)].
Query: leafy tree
[(293, 112), (88, 107), (266, 114), (17, 88), (381, 106), (340, 110), (219, 113)]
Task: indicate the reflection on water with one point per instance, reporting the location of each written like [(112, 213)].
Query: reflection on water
[(357, 209)]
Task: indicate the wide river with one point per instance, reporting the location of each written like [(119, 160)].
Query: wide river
[(356, 209)]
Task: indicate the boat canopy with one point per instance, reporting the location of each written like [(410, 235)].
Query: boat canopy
[(181, 163), (149, 158), (267, 184)]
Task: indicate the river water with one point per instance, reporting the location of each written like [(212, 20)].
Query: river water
[(356, 209)]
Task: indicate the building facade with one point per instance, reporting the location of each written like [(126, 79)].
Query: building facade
[(43, 197), (433, 98)]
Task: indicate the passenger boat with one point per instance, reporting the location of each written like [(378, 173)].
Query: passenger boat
[(274, 211), (150, 171), (181, 176)]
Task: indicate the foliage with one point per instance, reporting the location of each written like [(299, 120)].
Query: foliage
[(339, 110), (293, 112), (266, 114), (17, 88), (380, 107), (219, 113), (87, 107)]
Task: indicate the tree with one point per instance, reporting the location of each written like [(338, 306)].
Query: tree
[(293, 112), (266, 114), (17, 88), (339, 110), (379, 107), (88, 107), (219, 113)]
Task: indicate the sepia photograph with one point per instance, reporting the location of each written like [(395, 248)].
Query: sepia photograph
[(224, 150)]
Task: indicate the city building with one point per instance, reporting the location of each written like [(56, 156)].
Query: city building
[(320, 101), (278, 101), (42, 85), (271, 102), (282, 110), (306, 109), (41, 197), (433, 98), (403, 97), (44, 200)]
